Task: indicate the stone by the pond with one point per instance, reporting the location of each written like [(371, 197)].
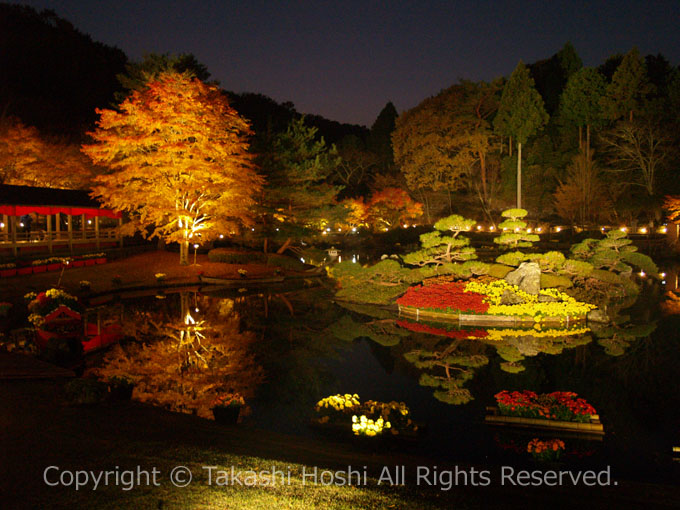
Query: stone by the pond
[(527, 277), (597, 315), (510, 298), (544, 298)]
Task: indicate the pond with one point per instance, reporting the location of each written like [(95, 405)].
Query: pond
[(284, 348)]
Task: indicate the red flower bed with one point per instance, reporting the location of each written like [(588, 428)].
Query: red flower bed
[(559, 405), (444, 296), (454, 333)]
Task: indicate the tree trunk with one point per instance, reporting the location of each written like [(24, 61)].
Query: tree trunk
[(580, 137), (450, 204), (482, 173), (587, 141), (510, 146), (184, 253), (285, 246), (519, 175)]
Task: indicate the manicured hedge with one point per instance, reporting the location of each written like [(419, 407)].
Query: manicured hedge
[(284, 262), (236, 257), (229, 256)]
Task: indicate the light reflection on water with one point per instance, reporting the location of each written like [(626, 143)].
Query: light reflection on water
[(305, 347)]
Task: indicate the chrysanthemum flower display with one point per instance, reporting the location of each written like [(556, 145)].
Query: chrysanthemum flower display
[(371, 418), (559, 405), (486, 298), (548, 450)]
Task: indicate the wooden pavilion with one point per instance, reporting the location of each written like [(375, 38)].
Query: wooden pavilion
[(35, 220)]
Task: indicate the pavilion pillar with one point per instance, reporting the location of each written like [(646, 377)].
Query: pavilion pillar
[(57, 224), (83, 225), (48, 218), (120, 236), (5, 227), (96, 230), (69, 226), (13, 231)]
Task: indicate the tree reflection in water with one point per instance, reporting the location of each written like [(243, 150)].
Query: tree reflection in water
[(183, 363), (448, 357)]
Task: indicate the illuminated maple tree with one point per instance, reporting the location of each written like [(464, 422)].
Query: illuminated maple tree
[(392, 207), (28, 159), (179, 162)]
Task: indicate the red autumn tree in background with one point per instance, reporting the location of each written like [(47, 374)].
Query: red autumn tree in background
[(391, 207), (29, 159), (179, 162)]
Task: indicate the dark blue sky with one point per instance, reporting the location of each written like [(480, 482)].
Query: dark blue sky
[(345, 59)]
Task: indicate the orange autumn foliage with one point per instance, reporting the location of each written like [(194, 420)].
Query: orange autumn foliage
[(28, 159), (179, 162)]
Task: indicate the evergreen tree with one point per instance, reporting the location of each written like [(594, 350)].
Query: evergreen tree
[(520, 114), (380, 137), (627, 93), (580, 104), (298, 194)]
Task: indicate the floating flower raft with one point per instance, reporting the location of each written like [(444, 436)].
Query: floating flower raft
[(483, 303), (561, 410)]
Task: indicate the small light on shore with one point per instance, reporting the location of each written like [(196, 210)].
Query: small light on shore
[(663, 275), (558, 229), (492, 228), (539, 229), (642, 274), (664, 230), (479, 227), (643, 230), (221, 236), (195, 247), (623, 229)]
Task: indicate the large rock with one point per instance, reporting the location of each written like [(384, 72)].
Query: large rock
[(510, 298), (598, 316), (527, 277)]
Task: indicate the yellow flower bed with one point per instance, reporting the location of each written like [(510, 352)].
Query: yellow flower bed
[(362, 426), (501, 334), (565, 306), (338, 402)]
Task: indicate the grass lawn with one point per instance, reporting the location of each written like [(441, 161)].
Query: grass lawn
[(134, 271)]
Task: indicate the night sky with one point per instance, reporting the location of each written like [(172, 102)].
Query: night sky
[(345, 59)]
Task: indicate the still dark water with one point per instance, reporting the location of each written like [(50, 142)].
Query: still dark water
[(301, 346)]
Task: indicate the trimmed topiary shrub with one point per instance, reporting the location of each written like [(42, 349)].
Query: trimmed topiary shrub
[(549, 281), (285, 262), (515, 234), (443, 246), (228, 256)]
